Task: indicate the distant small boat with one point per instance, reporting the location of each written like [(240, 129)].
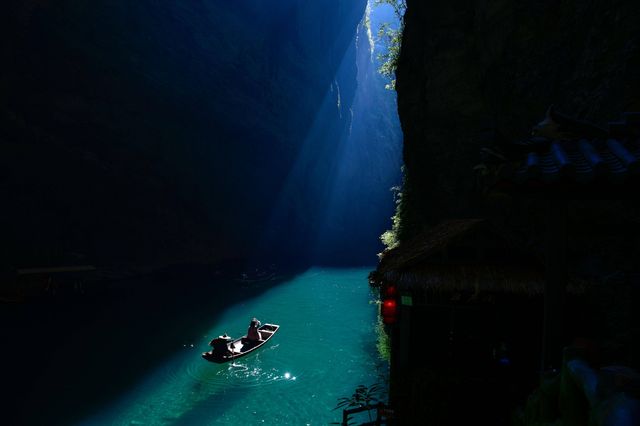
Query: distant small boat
[(239, 347), (256, 278)]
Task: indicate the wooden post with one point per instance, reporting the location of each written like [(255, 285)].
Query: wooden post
[(555, 283), (404, 326), (394, 370), (400, 340)]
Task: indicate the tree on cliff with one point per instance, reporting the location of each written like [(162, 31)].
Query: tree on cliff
[(393, 38)]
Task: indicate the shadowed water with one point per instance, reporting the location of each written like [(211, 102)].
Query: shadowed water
[(323, 350)]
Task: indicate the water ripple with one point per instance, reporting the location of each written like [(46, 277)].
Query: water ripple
[(323, 352)]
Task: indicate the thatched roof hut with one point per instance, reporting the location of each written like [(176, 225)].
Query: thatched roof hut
[(462, 255)]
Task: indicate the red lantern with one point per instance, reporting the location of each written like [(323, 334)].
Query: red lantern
[(390, 291), (389, 311)]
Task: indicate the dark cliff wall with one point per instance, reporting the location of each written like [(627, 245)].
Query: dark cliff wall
[(467, 66), (470, 65), (163, 131)]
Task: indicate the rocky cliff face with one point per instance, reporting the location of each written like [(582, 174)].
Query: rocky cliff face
[(467, 66), (367, 164), (163, 131)]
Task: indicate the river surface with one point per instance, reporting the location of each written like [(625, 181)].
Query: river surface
[(326, 346)]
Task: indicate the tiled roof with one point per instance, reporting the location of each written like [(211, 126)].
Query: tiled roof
[(582, 161), (572, 162), (415, 264)]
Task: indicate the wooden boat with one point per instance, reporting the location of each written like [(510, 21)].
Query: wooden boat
[(256, 278), (239, 347)]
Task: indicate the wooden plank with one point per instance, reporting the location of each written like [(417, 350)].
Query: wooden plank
[(380, 408), (30, 271)]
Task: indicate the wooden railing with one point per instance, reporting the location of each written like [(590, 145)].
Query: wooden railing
[(383, 414)]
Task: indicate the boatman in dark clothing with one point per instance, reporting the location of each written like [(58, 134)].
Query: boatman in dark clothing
[(253, 334), (221, 344)]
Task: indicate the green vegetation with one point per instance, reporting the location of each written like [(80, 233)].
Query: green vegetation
[(391, 237), (383, 343), (393, 38), (362, 397), (388, 65)]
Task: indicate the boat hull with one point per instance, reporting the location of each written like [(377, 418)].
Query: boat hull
[(242, 346)]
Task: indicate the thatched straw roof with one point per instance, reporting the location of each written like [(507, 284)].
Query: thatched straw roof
[(439, 278), (426, 244), (419, 264)]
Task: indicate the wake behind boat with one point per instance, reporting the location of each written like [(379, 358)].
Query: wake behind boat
[(225, 349)]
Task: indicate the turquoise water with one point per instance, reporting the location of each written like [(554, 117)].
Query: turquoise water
[(326, 346)]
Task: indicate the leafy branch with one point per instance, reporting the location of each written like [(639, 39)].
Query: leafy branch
[(393, 39), (362, 397)]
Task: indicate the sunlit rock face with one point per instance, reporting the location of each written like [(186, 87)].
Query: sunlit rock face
[(470, 65), (166, 131), (368, 162)]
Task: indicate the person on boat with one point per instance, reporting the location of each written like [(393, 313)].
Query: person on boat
[(221, 344), (252, 333)]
